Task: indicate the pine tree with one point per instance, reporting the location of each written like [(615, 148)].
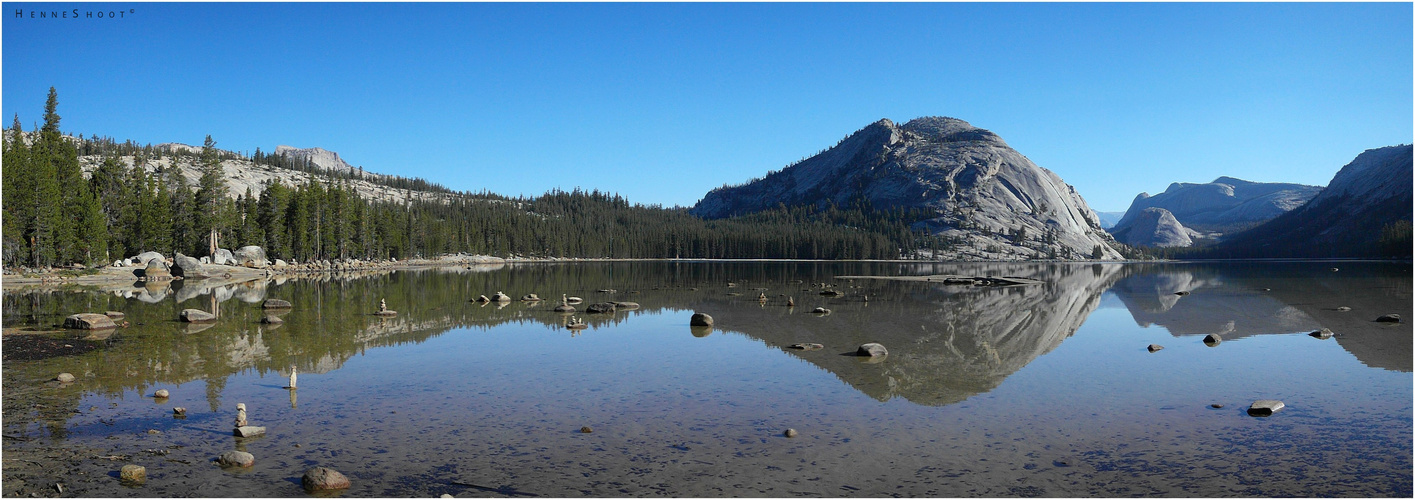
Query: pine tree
[(18, 191), (211, 214)]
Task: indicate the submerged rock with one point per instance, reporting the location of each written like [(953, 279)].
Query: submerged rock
[(1343, 308), (564, 308), (323, 479), (820, 310), (275, 304), (1265, 407), (1323, 334), (1389, 318), (236, 459), (627, 306), (114, 315), (197, 316), (1155, 347), (89, 321), (700, 319), (271, 320), (872, 350), (530, 297), (807, 347), (133, 474), (600, 308)]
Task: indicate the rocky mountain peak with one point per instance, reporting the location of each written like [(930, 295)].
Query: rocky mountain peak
[(991, 200)]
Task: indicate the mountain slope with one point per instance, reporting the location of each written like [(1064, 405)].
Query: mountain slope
[(989, 199), (1154, 227), (1221, 206), (1368, 199)]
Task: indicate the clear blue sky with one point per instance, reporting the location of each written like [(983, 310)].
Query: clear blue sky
[(662, 102)]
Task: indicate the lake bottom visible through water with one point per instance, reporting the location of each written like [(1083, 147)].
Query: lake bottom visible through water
[(1018, 392)]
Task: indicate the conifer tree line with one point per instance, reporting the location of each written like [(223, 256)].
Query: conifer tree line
[(52, 216)]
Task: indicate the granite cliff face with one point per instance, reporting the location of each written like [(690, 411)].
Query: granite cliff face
[(320, 157), (989, 199), (1214, 208), (1154, 227), (1359, 214)]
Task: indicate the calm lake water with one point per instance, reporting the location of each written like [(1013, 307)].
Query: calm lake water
[(1038, 390)]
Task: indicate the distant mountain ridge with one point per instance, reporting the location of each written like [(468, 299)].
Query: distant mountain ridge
[(1364, 211), (1217, 207), (988, 198)]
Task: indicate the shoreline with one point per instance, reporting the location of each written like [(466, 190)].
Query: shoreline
[(57, 278)]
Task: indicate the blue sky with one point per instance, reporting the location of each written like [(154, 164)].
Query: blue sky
[(662, 102)]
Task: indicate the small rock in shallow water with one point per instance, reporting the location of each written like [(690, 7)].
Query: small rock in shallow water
[(700, 319), (236, 459), (134, 474), (1216, 406), (248, 431), (161, 393), (586, 429), (323, 479), (1389, 318), (1212, 339), (872, 350), (1181, 292), (807, 347), (820, 310), (154, 431), (790, 433), (65, 378), (1323, 334), (1155, 347), (1343, 308), (1265, 407)]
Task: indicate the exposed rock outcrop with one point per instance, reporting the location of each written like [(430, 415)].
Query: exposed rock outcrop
[(987, 197), (1220, 206), (1153, 227)]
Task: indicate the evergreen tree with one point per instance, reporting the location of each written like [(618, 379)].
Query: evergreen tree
[(211, 213), (18, 190)]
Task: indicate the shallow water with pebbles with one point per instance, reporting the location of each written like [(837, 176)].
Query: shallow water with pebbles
[(1035, 390)]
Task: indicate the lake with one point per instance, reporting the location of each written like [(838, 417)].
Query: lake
[(1017, 391)]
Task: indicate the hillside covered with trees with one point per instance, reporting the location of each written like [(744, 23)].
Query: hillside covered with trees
[(54, 216)]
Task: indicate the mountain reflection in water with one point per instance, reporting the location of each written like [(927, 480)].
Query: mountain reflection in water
[(946, 342)]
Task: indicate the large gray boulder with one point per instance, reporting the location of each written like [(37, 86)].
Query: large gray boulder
[(188, 267), (143, 258), (223, 257), (251, 256), (156, 269)]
